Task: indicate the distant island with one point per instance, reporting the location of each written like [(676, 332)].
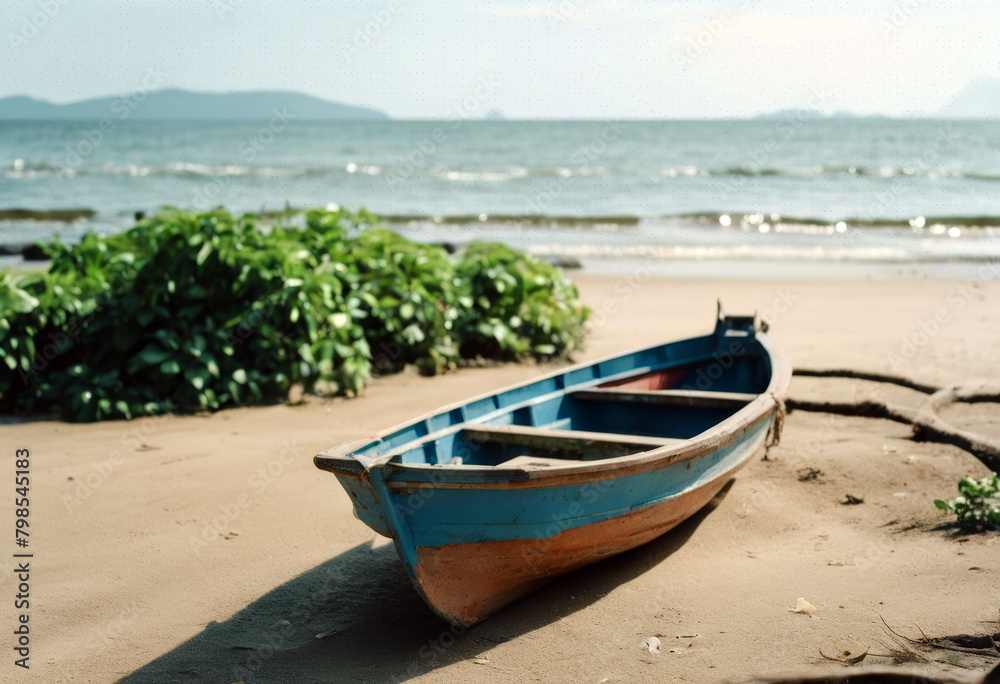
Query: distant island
[(801, 114), (178, 105)]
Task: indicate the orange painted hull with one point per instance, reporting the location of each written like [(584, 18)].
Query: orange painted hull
[(466, 583)]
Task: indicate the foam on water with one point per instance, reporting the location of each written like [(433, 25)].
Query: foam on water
[(822, 191)]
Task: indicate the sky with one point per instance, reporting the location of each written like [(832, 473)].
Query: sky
[(525, 58)]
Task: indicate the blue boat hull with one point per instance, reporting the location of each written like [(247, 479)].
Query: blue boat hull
[(475, 534)]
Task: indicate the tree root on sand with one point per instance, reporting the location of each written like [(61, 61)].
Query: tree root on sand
[(927, 425)]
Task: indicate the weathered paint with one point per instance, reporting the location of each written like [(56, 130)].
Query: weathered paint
[(466, 583), (474, 537), (502, 514)]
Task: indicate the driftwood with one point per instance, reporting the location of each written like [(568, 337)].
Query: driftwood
[(864, 375), (927, 425), (885, 676)]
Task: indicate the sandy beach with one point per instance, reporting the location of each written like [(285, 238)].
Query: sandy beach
[(209, 548)]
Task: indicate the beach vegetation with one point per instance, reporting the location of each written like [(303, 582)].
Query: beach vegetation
[(201, 311), (978, 505)]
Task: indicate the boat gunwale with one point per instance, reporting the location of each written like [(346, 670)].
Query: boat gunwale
[(719, 435)]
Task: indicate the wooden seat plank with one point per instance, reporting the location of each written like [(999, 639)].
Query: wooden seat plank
[(536, 462), (691, 398), (560, 439)]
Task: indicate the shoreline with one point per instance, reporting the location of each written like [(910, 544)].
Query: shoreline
[(210, 548), (700, 245)]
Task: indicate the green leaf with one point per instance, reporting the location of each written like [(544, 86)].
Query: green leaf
[(170, 367), (152, 354), (123, 408), (13, 298), (203, 253)]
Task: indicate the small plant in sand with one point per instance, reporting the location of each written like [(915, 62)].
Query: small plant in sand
[(978, 504)]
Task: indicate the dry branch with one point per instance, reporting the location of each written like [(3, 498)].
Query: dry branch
[(865, 375), (927, 424)]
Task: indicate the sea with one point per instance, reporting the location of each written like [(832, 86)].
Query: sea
[(789, 195)]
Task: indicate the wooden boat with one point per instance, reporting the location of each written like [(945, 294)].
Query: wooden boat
[(488, 499)]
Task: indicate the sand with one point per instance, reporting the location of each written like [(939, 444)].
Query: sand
[(210, 549)]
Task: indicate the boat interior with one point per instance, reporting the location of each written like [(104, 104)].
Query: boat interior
[(628, 413)]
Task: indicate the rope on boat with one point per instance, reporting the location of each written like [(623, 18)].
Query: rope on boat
[(926, 423), (773, 437)]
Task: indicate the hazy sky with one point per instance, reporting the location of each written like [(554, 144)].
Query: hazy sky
[(568, 58)]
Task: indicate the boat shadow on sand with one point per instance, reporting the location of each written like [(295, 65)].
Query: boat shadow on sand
[(356, 617)]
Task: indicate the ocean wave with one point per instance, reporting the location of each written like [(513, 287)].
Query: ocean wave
[(29, 169), (929, 226), (480, 175), (820, 170), (787, 253), (948, 226), (19, 169), (528, 220)]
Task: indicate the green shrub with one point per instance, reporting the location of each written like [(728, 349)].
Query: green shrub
[(514, 305), (978, 504), (204, 311)]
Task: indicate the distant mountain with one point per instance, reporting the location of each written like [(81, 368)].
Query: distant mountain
[(791, 113), (186, 105), (979, 99)]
